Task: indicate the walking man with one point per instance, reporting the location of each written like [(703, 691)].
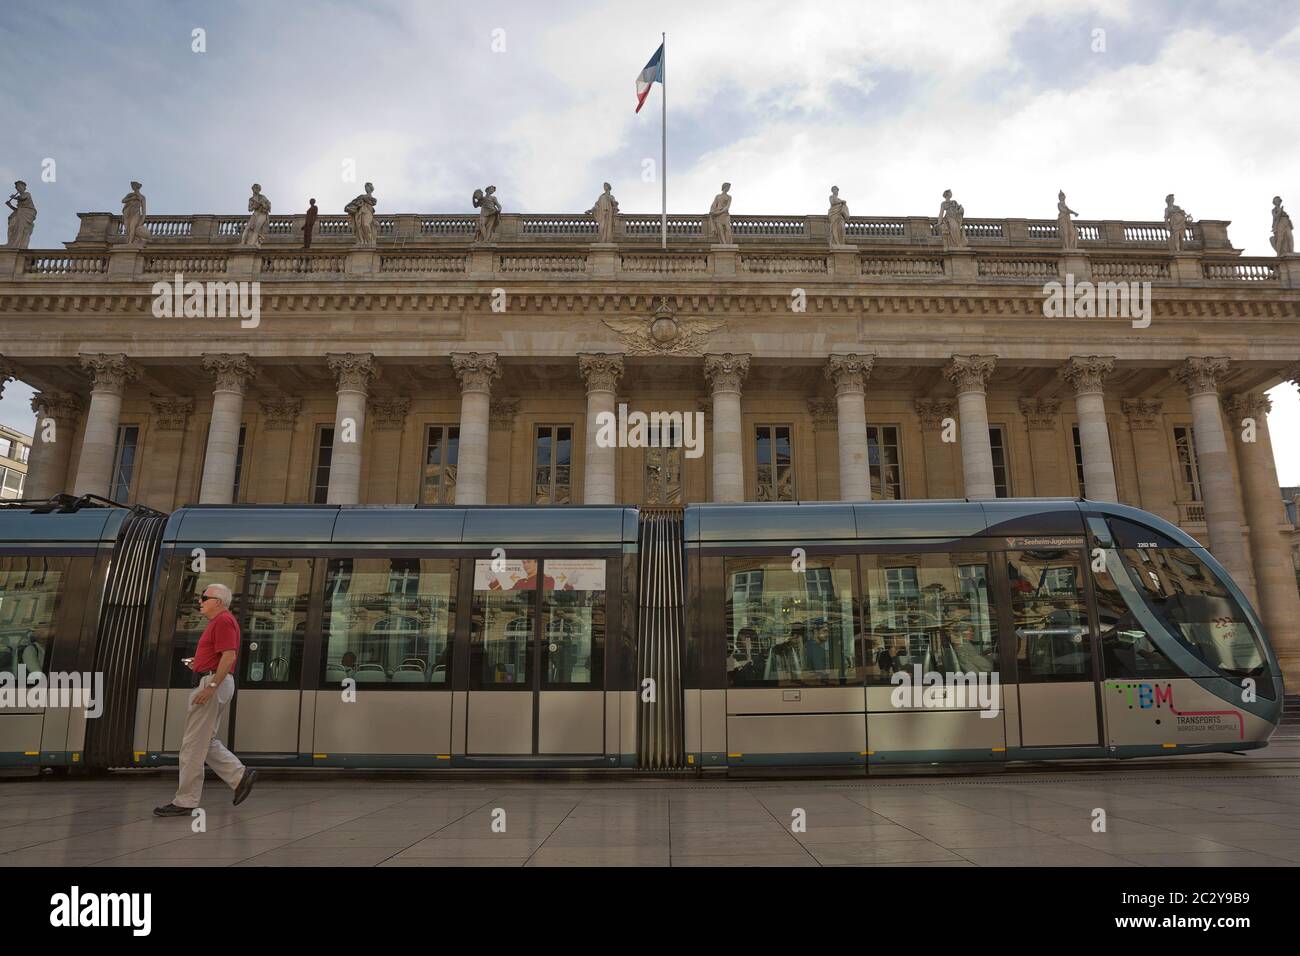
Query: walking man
[(213, 663)]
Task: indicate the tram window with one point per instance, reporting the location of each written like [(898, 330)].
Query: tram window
[(190, 621), (1127, 651), (935, 611), (31, 599), (389, 621), (501, 623), (279, 590), (1050, 616), (1199, 611), (790, 628), (573, 622)]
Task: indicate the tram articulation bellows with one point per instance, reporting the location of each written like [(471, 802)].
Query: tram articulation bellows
[(661, 644)]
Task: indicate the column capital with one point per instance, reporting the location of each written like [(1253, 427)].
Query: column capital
[(823, 412), (932, 411), (7, 373), (1040, 413), (1254, 405), (355, 371), (109, 372), (1200, 374), (850, 373), (1142, 413), (970, 373), (389, 414), (476, 370), (502, 412), (601, 370), (726, 371), (61, 406), (171, 414), (232, 371), (1087, 372), (281, 413)]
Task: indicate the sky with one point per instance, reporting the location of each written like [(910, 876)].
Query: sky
[(1002, 101)]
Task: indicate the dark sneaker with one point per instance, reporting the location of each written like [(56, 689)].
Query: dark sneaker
[(245, 785), (171, 810)]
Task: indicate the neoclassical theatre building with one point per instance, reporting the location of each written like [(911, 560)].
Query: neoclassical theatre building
[(445, 358)]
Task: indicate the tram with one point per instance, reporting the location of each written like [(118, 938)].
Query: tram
[(710, 637)]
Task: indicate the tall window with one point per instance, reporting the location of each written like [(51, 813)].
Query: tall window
[(775, 460), (239, 462), (1078, 461), (663, 471), (885, 461), (553, 471), (321, 473), (1189, 476), (124, 462), (23, 452), (6, 447), (998, 445), (441, 450)]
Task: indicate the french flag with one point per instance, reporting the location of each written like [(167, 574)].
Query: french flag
[(654, 70)]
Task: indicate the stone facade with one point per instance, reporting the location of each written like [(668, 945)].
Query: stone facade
[(432, 368)]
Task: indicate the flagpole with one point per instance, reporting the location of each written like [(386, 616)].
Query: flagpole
[(663, 141)]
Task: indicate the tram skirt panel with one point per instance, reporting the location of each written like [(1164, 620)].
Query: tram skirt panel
[(661, 735)]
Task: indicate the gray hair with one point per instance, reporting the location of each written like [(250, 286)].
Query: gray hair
[(220, 592)]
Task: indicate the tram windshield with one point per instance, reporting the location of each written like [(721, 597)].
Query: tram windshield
[(1198, 609)]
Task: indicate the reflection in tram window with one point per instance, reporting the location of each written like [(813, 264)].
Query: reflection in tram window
[(501, 623), (389, 621), (279, 590), (787, 627), (1127, 651), (1050, 616), (31, 596), (929, 610), (190, 621), (1199, 611), (573, 623)]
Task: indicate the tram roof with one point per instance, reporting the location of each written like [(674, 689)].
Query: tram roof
[(88, 526)]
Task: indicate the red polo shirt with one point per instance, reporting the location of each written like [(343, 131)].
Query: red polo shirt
[(221, 634)]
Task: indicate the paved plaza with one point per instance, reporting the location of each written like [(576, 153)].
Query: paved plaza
[(1214, 811)]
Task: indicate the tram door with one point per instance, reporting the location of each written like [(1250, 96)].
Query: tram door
[(1055, 663), (266, 709), (537, 631)]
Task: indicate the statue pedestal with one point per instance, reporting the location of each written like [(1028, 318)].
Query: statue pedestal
[(1185, 267), (960, 264), (243, 262), (9, 259), (604, 258), (363, 262), (1077, 264), (844, 263), (1288, 271), (482, 260), (123, 262), (723, 256)]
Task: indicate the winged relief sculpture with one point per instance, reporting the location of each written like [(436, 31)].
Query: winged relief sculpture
[(663, 332)]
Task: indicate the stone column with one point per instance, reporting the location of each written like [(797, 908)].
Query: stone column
[(1087, 373), (601, 371), (355, 373), (232, 374), (109, 376), (476, 371), (389, 417), (850, 374), (940, 473), (1200, 376), (1270, 550), (726, 373), (1042, 422), (1157, 490), (969, 374), (47, 465)]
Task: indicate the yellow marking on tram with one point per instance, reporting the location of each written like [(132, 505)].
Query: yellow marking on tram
[(76, 757), (444, 756), (320, 756), (999, 750), (690, 758), (31, 753), (867, 753), (1169, 746), (735, 755), (138, 754)]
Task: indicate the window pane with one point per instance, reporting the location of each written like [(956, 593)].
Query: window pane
[(573, 622), (6, 448), (124, 462), (998, 448), (1126, 649), (13, 480), (1078, 462), (440, 453), (932, 610), (501, 624), (239, 461), (31, 599), (389, 620), (279, 590), (190, 621), (324, 455), (1050, 615), (786, 628)]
